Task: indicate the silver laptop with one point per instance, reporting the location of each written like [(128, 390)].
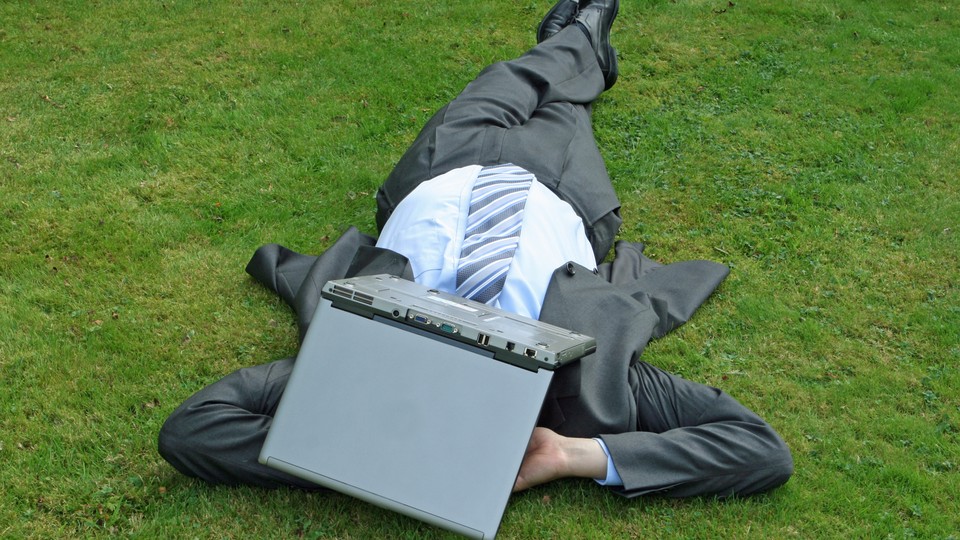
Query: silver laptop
[(416, 400)]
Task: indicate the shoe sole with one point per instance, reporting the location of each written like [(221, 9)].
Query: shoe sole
[(613, 71), (540, 30)]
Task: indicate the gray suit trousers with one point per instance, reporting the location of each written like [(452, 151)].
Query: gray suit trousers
[(534, 112)]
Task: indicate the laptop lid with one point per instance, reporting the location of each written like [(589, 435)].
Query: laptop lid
[(410, 415)]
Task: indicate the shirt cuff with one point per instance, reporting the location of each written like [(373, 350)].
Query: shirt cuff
[(613, 477)]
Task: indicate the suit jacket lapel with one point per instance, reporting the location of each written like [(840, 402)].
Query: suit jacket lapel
[(298, 279)]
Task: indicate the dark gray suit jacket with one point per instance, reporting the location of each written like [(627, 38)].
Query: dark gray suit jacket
[(665, 434)]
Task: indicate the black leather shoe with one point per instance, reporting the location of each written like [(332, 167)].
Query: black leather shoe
[(597, 17), (559, 16)]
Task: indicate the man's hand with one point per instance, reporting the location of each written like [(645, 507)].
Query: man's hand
[(551, 456)]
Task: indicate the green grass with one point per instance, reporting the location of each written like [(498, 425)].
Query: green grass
[(147, 148)]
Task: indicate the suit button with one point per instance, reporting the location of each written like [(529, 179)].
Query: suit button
[(571, 269)]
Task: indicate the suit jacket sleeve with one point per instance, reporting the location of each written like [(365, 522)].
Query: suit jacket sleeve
[(692, 439), (665, 434)]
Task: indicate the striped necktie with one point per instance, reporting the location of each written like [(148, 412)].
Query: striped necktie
[(493, 231)]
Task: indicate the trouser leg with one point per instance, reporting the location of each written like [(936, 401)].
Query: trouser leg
[(533, 111), (216, 435)]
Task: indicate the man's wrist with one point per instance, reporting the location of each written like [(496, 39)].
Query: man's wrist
[(584, 458)]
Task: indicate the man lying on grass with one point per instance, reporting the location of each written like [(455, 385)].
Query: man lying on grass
[(519, 139)]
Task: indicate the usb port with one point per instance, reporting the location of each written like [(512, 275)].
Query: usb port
[(483, 339)]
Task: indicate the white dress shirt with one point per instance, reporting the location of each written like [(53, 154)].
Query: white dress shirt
[(428, 225)]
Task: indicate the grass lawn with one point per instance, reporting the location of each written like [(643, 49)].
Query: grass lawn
[(147, 148)]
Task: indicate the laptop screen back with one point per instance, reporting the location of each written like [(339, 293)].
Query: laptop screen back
[(406, 419)]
